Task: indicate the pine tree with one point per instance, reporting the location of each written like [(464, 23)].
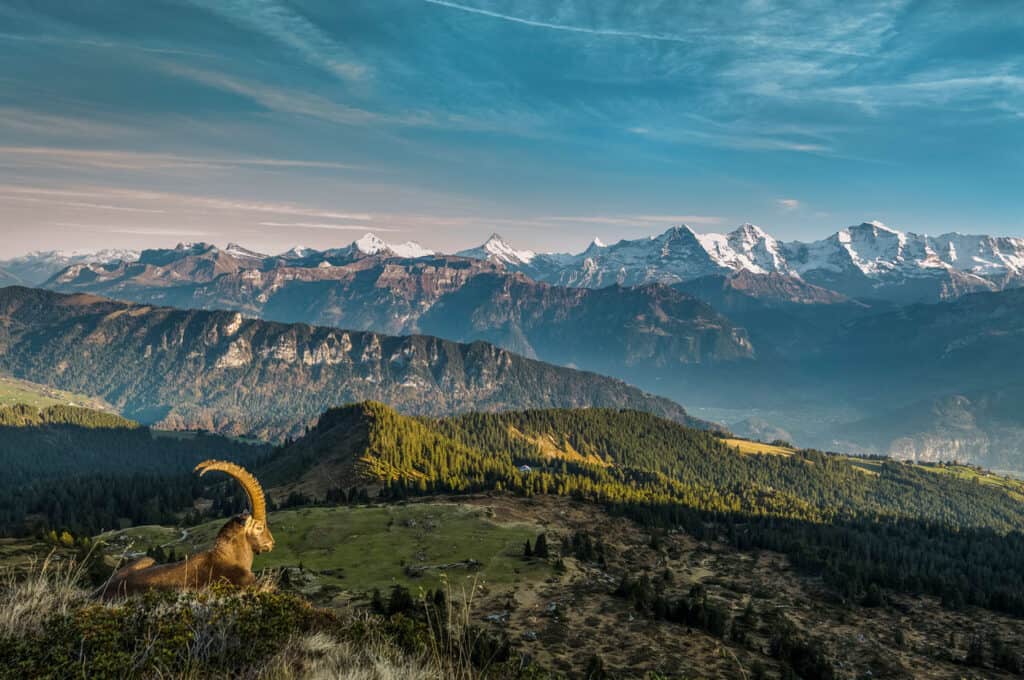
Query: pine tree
[(540, 548), (377, 602)]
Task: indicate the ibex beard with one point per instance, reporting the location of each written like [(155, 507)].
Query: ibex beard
[(228, 561)]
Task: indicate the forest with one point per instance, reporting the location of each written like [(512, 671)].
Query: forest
[(862, 524), (87, 471)]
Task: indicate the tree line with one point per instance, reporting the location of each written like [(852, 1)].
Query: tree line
[(86, 471)]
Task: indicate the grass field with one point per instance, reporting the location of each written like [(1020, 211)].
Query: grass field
[(361, 548), (14, 391), (872, 466), (1014, 487), (17, 553), (186, 435), (747, 446)]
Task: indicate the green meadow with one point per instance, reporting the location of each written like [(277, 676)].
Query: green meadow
[(14, 391), (360, 548)]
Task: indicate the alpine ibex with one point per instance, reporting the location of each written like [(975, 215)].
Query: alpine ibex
[(228, 561)]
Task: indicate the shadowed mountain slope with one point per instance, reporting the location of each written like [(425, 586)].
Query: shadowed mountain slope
[(219, 371)]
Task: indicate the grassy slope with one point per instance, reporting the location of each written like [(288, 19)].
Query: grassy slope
[(14, 391), (367, 547), (1013, 487), (589, 620), (748, 446)]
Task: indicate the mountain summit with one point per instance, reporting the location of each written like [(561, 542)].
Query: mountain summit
[(870, 260), (496, 249)]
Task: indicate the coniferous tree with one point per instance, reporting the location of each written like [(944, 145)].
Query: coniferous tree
[(540, 548)]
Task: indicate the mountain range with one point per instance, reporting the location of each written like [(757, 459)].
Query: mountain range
[(35, 268), (868, 260), (629, 329), (817, 340), (220, 371)]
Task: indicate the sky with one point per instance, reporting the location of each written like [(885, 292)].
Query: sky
[(281, 122)]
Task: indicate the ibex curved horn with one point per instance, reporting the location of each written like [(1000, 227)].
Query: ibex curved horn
[(248, 482)]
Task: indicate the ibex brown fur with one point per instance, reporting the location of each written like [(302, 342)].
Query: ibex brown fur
[(228, 561)]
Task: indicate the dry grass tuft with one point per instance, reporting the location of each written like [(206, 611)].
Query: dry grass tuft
[(321, 657), (455, 639), (47, 588)]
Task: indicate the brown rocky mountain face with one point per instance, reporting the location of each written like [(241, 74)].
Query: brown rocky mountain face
[(771, 288), (981, 428), (932, 350), (627, 331), (785, 317), (223, 372), (943, 381)]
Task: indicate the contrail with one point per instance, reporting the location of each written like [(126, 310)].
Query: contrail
[(562, 27), (639, 35)]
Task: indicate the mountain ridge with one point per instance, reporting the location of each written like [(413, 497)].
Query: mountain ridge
[(454, 297), (866, 260), (222, 372)]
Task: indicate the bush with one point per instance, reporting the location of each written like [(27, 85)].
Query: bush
[(213, 631), (51, 628)]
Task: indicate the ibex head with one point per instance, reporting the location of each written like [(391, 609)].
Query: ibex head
[(257, 533)]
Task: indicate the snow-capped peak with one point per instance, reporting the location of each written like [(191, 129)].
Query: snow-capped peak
[(496, 249), (36, 267), (370, 244), (235, 250), (598, 243), (750, 232), (297, 253), (747, 247), (410, 249), (64, 257), (677, 230), (880, 226)]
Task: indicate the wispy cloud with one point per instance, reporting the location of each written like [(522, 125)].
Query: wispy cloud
[(171, 203), (50, 201), (282, 100), (136, 231), (303, 103), (787, 204), (279, 23), (635, 220), (23, 120), (147, 161), (325, 225), (931, 89), (66, 40), (733, 136)]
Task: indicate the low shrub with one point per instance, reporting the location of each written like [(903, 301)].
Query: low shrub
[(52, 628)]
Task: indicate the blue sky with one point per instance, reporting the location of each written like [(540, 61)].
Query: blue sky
[(551, 121)]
